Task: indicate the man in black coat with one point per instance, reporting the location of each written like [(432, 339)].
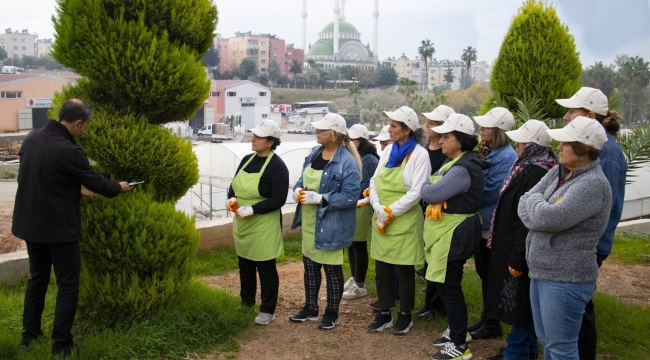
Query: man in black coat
[(47, 216)]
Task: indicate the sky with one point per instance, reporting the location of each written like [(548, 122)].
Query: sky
[(603, 29)]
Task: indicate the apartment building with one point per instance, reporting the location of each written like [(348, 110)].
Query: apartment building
[(18, 44), (43, 47)]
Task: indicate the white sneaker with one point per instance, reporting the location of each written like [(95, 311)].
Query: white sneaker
[(264, 318), (348, 283), (355, 292)]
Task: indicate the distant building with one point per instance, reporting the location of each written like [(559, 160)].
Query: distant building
[(292, 54), (18, 44), (261, 48), (223, 56), (43, 47), (230, 97)]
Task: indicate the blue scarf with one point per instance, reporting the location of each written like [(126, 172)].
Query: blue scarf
[(398, 153)]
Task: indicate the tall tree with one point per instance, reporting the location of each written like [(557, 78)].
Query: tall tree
[(247, 68), (211, 58), (469, 56), (312, 70), (354, 92), (449, 75), (599, 76), (295, 69), (407, 87), (3, 54), (531, 48), (274, 70), (634, 73), (426, 51), (387, 76)]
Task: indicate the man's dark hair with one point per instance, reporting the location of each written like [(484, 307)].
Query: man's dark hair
[(73, 110)]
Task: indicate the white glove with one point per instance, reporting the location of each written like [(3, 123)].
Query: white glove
[(295, 194), (379, 223), (363, 202), (377, 207), (311, 198), (382, 215), (245, 211)]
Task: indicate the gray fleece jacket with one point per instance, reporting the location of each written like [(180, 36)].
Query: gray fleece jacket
[(565, 224)]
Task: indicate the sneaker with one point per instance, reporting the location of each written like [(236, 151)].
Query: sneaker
[(355, 292), (445, 339), (27, 341), (66, 350), (264, 318), (419, 273), (423, 313), (374, 305), (348, 283), (453, 352), (404, 323), (329, 322), (382, 322), (305, 314)]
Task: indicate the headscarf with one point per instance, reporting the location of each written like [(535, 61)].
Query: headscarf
[(398, 153), (534, 154)]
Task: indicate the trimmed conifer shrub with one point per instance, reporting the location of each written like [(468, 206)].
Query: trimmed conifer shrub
[(141, 67), (537, 59)]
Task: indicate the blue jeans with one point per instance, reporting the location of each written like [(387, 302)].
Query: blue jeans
[(557, 312), (522, 342)]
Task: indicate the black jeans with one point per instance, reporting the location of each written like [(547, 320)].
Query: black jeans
[(482, 265), (66, 259), (269, 283), (588, 336), (432, 300), (384, 280), (358, 257), (451, 292)]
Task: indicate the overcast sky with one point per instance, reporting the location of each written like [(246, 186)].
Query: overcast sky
[(602, 28)]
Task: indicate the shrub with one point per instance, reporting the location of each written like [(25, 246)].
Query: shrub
[(538, 57)]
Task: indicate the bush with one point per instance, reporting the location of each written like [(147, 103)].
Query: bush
[(136, 260), (354, 109), (538, 58), (8, 174)]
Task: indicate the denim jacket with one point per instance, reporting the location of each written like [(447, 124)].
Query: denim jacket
[(336, 222), (614, 165), (502, 160)]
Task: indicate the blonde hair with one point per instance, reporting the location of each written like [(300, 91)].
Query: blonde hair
[(345, 140)]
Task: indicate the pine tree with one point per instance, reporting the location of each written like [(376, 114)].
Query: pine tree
[(141, 66), (538, 59)]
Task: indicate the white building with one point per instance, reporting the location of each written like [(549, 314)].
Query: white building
[(43, 47), (18, 44), (437, 69), (240, 97)]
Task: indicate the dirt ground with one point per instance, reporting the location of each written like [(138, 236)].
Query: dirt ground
[(630, 283), (8, 242)]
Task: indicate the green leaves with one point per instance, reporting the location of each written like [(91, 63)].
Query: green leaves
[(636, 147)]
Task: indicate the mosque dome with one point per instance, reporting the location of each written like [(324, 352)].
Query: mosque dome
[(344, 27)]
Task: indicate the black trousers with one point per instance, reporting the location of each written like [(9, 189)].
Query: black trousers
[(451, 293), (66, 259), (358, 257), (482, 265), (334, 284), (384, 280), (269, 283), (588, 336), (432, 300)]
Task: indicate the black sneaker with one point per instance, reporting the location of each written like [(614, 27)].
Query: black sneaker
[(305, 314), (28, 339), (423, 313), (404, 323), (446, 339), (66, 350), (453, 352), (329, 321), (477, 325), (382, 322), (374, 305)]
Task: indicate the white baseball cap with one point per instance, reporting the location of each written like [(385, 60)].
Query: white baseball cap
[(498, 117), (267, 128), (532, 131), (331, 121), (587, 98), (384, 135), (456, 122), (582, 129), (404, 115), (441, 113), (358, 131)]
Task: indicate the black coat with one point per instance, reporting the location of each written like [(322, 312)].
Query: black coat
[(508, 298), (52, 170)]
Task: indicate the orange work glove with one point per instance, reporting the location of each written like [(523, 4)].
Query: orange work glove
[(514, 272), (366, 193), (232, 205)]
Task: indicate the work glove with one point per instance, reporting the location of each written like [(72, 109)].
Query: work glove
[(232, 204), (514, 272), (435, 210), (245, 211), (310, 198), (384, 214), (366, 193), (362, 202), (296, 193)]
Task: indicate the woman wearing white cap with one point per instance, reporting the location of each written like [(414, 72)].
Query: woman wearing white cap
[(494, 148), (566, 212), (328, 191), (256, 194), (452, 227), (383, 138), (397, 234), (592, 103), (355, 287), (508, 296)]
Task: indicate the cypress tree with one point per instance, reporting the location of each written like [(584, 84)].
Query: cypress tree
[(140, 63), (537, 59)]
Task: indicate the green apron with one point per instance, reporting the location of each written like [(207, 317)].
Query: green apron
[(438, 234), (363, 230), (258, 237), (311, 180), (402, 242)]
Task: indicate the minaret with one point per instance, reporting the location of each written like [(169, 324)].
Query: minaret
[(375, 37), (304, 25), (337, 17), (342, 10)]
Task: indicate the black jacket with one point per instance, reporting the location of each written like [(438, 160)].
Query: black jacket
[(52, 170), (508, 298)]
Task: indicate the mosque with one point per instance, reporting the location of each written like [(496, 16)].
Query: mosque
[(339, 43)]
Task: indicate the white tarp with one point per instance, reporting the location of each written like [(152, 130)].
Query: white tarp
[(637, 194)]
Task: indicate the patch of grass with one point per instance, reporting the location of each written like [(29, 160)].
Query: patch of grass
[(201, 320), (632, 249), (331, 345), (8, 174), (620, 323), (292, 249)]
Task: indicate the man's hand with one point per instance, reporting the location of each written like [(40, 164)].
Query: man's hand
[(125, 187), (86, 193)]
